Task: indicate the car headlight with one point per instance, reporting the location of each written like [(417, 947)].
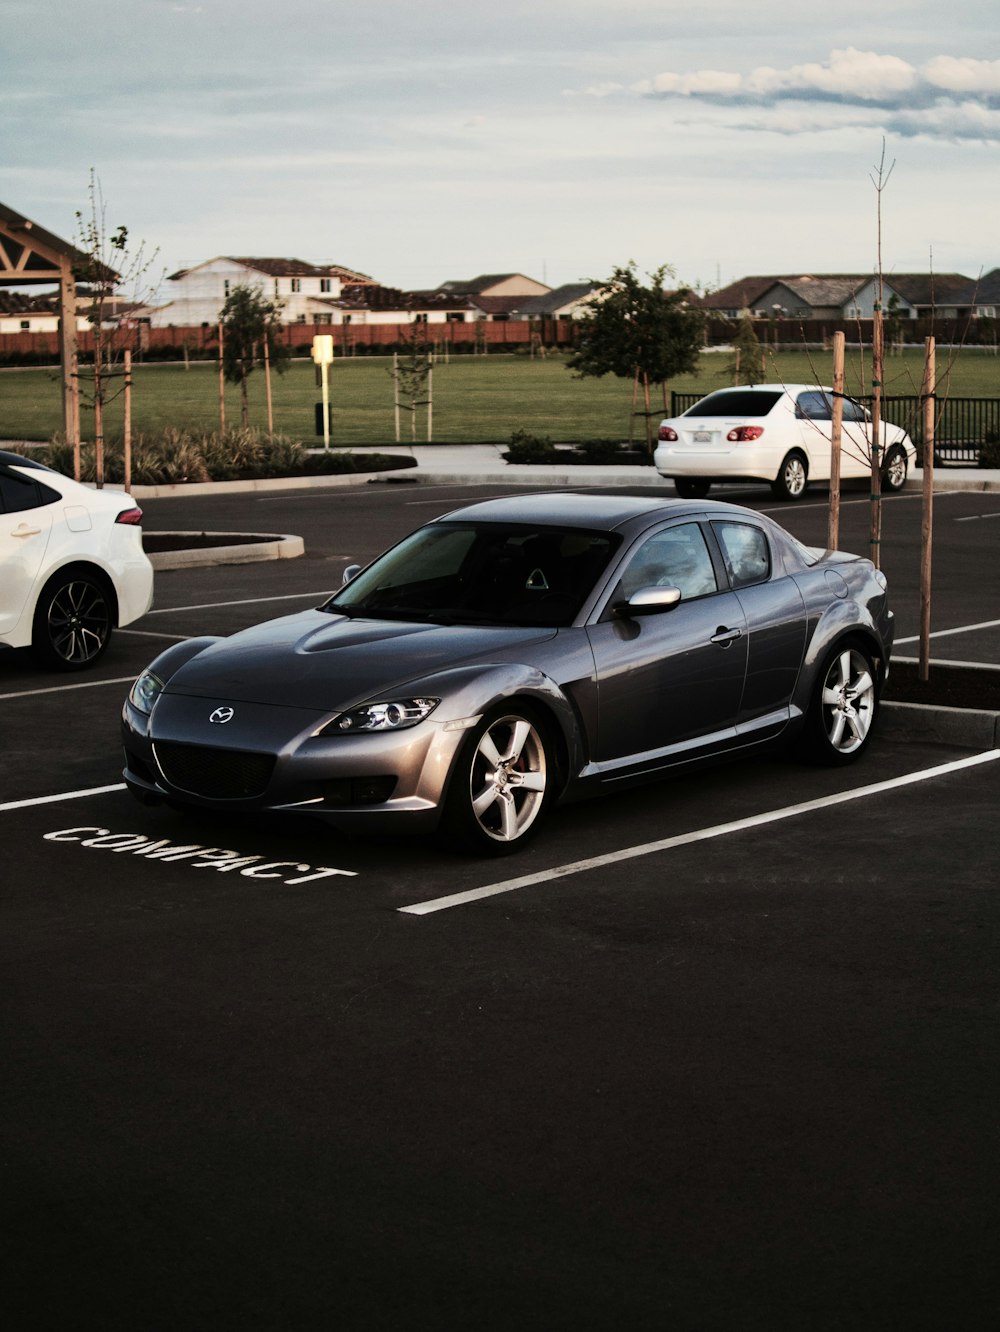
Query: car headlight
[(145, 691), (393, 716)]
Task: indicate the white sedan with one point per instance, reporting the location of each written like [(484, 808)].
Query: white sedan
[(779, 433), (72, 566)]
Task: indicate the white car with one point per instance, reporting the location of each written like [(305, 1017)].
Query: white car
[(72, 566), (779, 433)]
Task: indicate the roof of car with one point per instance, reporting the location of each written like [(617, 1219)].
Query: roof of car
[(17, 460), (581, 509)]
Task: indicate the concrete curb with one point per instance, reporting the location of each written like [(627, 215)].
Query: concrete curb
[(239, 552), (950, 726)]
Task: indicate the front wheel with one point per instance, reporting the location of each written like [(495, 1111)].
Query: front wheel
[(500, 785), (691, 487), (839, 723), (894, 469), (792, 478), (73, 621)]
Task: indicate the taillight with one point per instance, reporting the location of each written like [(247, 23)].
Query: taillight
[(131, 517), (667, 433), (743, 434)]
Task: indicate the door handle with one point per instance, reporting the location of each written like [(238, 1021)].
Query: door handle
[(22, 530), (724, 636)]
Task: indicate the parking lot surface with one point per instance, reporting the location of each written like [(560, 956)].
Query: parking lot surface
[(716, 1053)]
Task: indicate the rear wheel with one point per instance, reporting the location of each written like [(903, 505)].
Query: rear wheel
[(792, 478), (501, 783), (73, 622), (839, 723), (691, 487), (894, 469)]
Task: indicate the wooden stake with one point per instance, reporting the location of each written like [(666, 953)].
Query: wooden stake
[(127, 423), (927, 518), (222, 383), (836, 439), (267, 386)]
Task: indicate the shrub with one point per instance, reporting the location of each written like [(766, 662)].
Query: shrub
[(600, 451), (527, 448), (989, 451)]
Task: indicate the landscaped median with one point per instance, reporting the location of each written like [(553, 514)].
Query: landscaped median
[(192, 550)]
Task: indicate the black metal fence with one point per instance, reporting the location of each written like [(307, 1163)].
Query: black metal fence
[(961, 425)]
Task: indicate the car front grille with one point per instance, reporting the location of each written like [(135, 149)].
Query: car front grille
[(216, 774)]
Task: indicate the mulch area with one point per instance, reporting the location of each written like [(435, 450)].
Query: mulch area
[(946, 686), (154, 543)]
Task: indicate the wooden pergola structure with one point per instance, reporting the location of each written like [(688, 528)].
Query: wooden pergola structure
[(30, 255)]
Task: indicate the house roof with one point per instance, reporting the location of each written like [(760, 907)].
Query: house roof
[(821, 289), (475, 286), (571, 293), (282, 268)]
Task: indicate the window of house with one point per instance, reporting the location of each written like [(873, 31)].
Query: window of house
[(225, 287), (25, 324), (325, 284), (296, 284)]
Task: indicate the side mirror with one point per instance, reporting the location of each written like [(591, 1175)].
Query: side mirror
[(650, 601), (350, 572)]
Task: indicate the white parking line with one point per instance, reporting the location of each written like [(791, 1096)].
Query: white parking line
[(247, 601), (58, 689), (65, 795), (946, 633), (700, 835)]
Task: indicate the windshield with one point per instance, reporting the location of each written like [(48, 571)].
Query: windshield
[(489, 573)]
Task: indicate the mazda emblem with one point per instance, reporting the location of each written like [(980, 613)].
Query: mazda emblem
[(222, 715)]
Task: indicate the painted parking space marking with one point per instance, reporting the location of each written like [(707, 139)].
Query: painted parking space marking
[(947, 633), (219, 858), (245, 601), (63, 795), (149, 633), (79, 684), (699, 835)]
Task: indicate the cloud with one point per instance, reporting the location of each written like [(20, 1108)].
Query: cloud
[(949, 97)]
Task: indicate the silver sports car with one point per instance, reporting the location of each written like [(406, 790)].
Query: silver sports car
[(518, 652)]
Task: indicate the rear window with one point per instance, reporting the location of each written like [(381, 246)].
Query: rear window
[(736, 402)]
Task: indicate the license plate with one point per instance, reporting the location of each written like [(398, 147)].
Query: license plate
[(701, 436)]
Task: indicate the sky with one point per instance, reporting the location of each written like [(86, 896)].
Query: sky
[(420, 141)]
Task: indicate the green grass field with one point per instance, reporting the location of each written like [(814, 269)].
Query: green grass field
[(476, 399)]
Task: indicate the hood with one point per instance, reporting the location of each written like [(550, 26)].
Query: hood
[(324, 662)]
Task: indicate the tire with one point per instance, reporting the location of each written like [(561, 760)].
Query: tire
[(73, 622), (839, 723), (894, 467), (692, 487), (501, 783), (792, 478)]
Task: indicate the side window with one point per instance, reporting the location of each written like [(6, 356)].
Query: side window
[(748, 556), (676, 557), (853, 411), (813, 406), (17, 493)]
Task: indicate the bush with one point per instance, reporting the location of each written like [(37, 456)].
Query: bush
[(989, 451), (527, 448), (177, 456), (600, 452)]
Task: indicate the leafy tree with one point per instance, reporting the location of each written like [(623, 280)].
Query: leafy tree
[(249, 323), (639, 332), (747, 365)]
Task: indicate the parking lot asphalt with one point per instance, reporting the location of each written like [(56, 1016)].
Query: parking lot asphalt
[(717, 1053)]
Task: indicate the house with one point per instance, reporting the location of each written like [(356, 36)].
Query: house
[(839, 296), (305, 290), (21, 313), (495, 295), (570, 301)]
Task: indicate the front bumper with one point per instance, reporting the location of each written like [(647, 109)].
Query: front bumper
[(273, 760)]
